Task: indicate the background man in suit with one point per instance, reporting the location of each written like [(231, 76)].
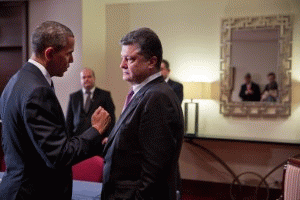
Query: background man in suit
[(141, 155), (84, 102), (176, 86), (249, 91), (38, 151)]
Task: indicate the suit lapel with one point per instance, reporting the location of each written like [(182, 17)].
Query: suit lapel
[(131, 106), (37, 72), (96, 97), (80, 99)]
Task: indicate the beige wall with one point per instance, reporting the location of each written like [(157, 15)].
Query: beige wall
[(67, 12), (190, 34)]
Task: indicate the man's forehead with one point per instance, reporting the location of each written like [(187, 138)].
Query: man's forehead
[(131, 48)]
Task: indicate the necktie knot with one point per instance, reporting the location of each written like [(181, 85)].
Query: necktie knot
[(52, 85), (128, 98)]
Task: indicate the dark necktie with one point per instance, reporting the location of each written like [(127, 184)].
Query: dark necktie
[(128, 98), (87, 102), (52, 85)]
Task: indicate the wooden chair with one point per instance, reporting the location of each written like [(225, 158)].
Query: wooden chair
[(291, 180), (89, 170)]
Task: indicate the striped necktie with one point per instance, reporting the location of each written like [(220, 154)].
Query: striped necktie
[(87, 101)]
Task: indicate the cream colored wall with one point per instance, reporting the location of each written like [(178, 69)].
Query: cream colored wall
[(190, 34), (67, 12)]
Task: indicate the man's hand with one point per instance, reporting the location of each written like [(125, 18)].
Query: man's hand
[(101, 120), (104, 141)]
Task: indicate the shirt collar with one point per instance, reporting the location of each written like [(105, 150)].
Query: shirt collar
[(167, 79), (42, 69), (137, 87), (92, 90)]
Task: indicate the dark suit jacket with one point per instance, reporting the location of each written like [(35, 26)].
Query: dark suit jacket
[(250, 97), (78, 121), (178, 89), (38, 152), (141, 156)]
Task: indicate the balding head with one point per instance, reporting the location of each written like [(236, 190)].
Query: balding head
[(87, 78)]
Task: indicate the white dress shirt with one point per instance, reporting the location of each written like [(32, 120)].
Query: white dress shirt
[(137, 87), (43, 70)]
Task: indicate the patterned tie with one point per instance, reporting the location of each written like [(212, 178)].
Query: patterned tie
[(87, 101), (128, 98)]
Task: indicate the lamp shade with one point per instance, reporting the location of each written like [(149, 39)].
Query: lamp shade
[(197, 90)]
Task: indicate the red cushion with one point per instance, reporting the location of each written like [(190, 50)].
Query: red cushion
[(89, 170)]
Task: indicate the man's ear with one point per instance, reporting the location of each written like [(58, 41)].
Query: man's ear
[(49, 52), (153, 61)]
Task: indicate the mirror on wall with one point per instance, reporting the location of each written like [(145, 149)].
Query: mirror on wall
[(255, 66)]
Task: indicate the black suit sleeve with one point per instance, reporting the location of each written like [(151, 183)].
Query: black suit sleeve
[(179, 92), (47, 132), (70, 117), (158, 124), (242, 92), (256, 91)]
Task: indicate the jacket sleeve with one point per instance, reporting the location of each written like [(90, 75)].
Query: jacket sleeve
[(45, 125), (158, 137), (242, 92), (180, 92), (70, 118)]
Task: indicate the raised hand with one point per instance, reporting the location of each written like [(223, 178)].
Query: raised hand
[(101, 120)]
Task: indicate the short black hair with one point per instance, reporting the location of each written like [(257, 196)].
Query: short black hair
[(50, 34), (272, 74), (166, 64), (148, 42), (248, 75)]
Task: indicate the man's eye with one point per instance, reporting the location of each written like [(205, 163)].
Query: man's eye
[(130, 59)]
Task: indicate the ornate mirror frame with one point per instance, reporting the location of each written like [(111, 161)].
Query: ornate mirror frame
[(282, 108)]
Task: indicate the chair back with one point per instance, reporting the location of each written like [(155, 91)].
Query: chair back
[(291, 180), (89, 170)]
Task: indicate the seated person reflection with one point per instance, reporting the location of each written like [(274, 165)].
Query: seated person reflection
[(249, 91), (270, 92)]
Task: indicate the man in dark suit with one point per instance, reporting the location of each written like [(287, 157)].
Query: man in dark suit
[(38, 151), (84, 102), (250, 91), (176, 86), (141, 155)]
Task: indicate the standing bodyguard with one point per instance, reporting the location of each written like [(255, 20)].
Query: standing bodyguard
[(141, 156), (176, 86), (83, 103), (38, 151)]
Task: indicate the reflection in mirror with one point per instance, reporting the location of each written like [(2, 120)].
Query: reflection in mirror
[(255, 66), (261, 48)]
